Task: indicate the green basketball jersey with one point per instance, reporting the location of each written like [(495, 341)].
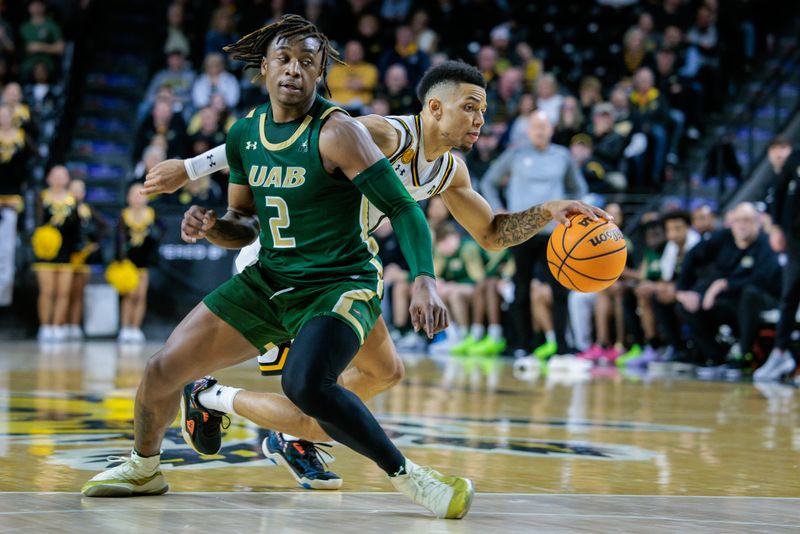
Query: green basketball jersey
[(313, 223)]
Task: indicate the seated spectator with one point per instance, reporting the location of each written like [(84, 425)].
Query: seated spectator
[(500, 39), (547, 98), (714, 275), (41, 94), (177, 40), (590, 93), (481, 157), (203, 191), (7, 46), (221, 32), (681, 93), (398, 92), (503, 99), (570, 121), (704, 220), (20, 112), (405, 53), (178, 77), (162, 121), (210, 133), (634, 54), (352, 85), (608, 151), (518, 130), (153, 155), (650, 114), (42, 41), (531, 66), (486, 61), (215, 79), (369, 35), (427, 40), (226, 118)]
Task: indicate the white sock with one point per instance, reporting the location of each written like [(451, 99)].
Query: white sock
[(461, 332), (149, 463), (219, 398), (496, 332), (550, 336), (288, 437), (476, 331)]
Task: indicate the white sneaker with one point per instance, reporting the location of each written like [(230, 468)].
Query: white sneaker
[(778, 364), (59, 334), (410, 342), (124, 335), (137, 336), (446, 497), (45, 334), (134, 476), (74, 332)]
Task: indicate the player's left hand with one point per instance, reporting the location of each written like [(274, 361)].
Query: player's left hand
[(166, 177), (428, 312), (562, 210)]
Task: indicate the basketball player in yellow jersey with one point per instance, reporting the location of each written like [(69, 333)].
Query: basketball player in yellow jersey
[(454, 101)]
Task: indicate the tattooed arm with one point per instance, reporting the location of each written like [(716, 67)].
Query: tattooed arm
[(498, 231), (236, 229)]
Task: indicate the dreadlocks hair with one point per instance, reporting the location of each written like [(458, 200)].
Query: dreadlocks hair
[(252, 48)]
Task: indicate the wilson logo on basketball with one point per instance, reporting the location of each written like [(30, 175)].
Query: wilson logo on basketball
[(610, 235)]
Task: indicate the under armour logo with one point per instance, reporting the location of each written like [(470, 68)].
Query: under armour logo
[(211, 161), (303, 147), (431, 190), (251, 145), (585, 222), (402, 172)]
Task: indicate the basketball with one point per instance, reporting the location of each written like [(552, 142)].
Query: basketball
[(588, 255)]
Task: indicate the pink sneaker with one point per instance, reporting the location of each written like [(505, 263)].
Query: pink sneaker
[(611, 354), (593, 353)]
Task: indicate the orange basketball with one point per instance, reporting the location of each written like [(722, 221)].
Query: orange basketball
[(588, 256)]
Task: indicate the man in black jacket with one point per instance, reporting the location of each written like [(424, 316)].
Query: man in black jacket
[(784, 237), (714, 274)]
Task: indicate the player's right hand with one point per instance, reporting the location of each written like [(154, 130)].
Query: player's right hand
[(197, 221), (166, 177), (427, 310)]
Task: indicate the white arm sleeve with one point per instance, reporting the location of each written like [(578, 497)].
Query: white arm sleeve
[(206, 163)]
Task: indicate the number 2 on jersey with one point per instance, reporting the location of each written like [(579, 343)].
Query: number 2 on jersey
[(282, 221)]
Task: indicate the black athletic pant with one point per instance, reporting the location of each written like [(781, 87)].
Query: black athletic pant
[(667, 324), (790, 294), (528, 256), (320, 352), (754, 301), (705, 323)]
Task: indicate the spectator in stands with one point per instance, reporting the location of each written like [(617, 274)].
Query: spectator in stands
[(703, 37), (634, 54), (406, 53), (590, 93), (226, 118), (704, 220), (42, 41), (7, 46), (459, 266), (713, 276), (215, 79), (203, 191), (486, 61), (538, 171), (646, 25), (20, 112), (138, 235), (570, 122), (503, 99), (152, 156), (531, 66), (210, 133), (500, 39), (41, 95), (671, 13), (608, 148), (398, 92), (177, 77), (221, 32), (14, 151), (784, 237), (548, 100), (480, 158), (650, 114), (426, 39), (352, 85), (177, 40), (164, 122), (369, 35), (684, 100)]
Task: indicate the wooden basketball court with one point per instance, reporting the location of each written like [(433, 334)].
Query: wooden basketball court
[(555, 453)]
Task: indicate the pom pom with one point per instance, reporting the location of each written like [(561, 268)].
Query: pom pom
[(123, 276), (46, 241)]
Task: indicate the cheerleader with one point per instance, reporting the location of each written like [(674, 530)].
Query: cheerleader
[(93, 231), (138, 236), (54, 241)]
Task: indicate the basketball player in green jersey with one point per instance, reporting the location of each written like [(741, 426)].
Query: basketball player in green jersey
[(299, 170), (454, 100)]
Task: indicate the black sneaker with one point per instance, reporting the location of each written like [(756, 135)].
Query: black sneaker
[(201, 428), (302, 459)]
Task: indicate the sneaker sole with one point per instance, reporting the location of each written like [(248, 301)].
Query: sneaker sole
[(187, 437), (121, 490), (470, 489), (302, 481)]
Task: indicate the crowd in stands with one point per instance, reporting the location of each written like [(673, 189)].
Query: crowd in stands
[(584, 101)]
